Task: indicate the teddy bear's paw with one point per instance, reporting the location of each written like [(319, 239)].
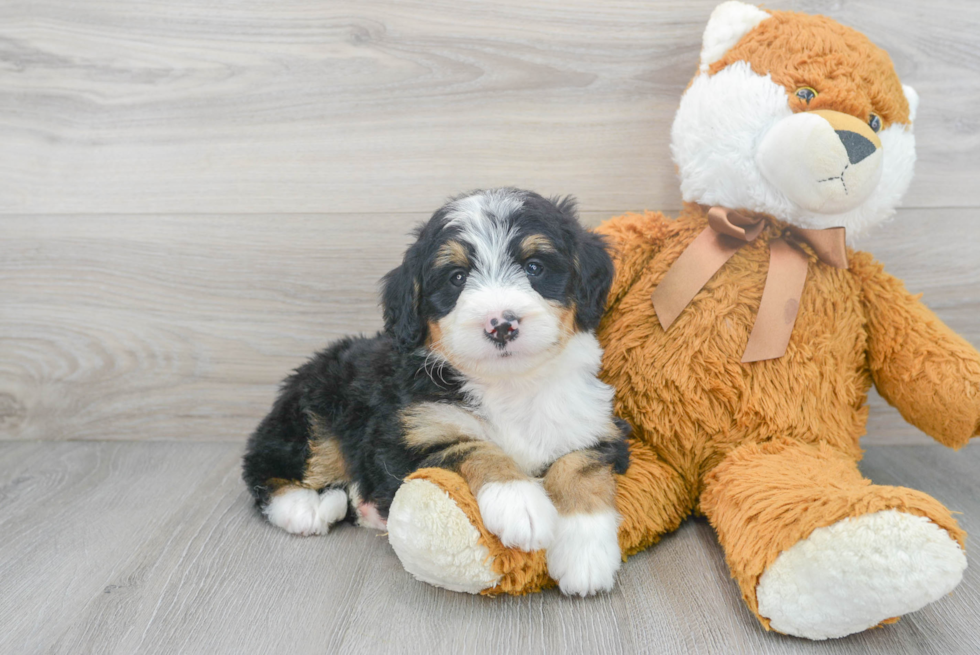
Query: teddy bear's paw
[(519, 512), (435, 540), (854, 574), (305, 512), (585, 555)]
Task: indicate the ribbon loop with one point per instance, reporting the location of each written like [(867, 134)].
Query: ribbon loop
[(734, 224), (829, 244), (780, 302)]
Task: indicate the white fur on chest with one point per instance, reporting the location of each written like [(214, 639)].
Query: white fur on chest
[(549, 412)]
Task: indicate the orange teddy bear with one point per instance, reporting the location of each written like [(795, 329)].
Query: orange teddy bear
[(742, 339)]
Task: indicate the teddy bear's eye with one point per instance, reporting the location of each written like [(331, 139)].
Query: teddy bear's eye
[(874, 122), (806, 94)]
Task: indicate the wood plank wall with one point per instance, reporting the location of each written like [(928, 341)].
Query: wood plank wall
[(194, 196)]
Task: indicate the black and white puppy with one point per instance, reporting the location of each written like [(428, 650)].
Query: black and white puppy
[(487, 366)]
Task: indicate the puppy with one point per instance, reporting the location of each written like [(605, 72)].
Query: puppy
[(487, 367)]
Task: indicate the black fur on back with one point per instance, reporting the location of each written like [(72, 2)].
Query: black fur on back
[(358, 385)]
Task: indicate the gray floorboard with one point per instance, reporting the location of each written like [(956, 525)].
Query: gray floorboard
[(116, 547)]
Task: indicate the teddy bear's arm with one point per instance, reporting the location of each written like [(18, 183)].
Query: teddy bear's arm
[(919, 365), (634, 239)]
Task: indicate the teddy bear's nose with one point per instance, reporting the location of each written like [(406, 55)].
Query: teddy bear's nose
[(857, 147)]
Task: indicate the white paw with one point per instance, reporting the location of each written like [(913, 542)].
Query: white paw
[(585, 555), (333, 506), (303, 511), (852, 575), (519, 512)]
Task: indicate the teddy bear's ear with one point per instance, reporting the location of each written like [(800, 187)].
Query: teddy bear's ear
[(729, 22), (913, 99)]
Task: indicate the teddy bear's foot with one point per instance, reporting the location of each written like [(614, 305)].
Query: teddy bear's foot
[(858, 572), (435, 540)]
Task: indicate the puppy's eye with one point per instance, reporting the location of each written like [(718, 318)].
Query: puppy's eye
[(806, 94), (874, 122), (458, 277), (534, 268)]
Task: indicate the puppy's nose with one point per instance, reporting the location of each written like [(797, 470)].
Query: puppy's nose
[(502, 328)]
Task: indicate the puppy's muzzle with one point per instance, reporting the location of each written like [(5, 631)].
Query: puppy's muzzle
[(502, 328)]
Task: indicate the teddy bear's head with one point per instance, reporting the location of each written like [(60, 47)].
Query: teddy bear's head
[(795, 116)]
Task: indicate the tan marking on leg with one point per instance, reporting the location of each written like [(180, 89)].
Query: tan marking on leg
[(452, 253), (536, 243), (485, 463), (325, 465), (277, 486), (581, 483), (428, 424), (480, 462)]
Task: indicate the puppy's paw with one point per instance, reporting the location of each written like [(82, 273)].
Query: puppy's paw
[(305, 512), (519, 512), (585, 555)]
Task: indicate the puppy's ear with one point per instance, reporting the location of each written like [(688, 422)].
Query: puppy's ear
[(593, 271), (400, 300), (595, 275)]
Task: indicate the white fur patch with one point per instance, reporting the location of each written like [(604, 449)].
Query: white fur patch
[(519, 512), (585, 555), (466, 344), (852, 575), (481, 219), (367, 513), (717, 131), (550, 411), (729, 22), (913, 99), (304, 512), (436, 542), (804, 158)]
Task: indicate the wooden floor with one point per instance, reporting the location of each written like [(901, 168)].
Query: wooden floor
[(195, 195), (155, 548)]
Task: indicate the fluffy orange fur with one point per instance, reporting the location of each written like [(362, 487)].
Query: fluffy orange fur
[(768, 451), (849, 73)]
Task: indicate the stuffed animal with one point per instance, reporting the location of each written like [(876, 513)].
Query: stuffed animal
[(742, 339)]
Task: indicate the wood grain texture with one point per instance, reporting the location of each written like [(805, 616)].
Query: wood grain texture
[(195, 196), (180, 327), (73, 514), (116, 106), (155, 548)]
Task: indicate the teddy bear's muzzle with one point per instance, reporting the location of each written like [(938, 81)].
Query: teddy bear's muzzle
[(824, 161)]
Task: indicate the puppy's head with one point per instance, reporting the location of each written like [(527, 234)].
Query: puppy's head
[(497, 282)]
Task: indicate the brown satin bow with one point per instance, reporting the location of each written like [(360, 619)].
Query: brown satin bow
[(728, 231)]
